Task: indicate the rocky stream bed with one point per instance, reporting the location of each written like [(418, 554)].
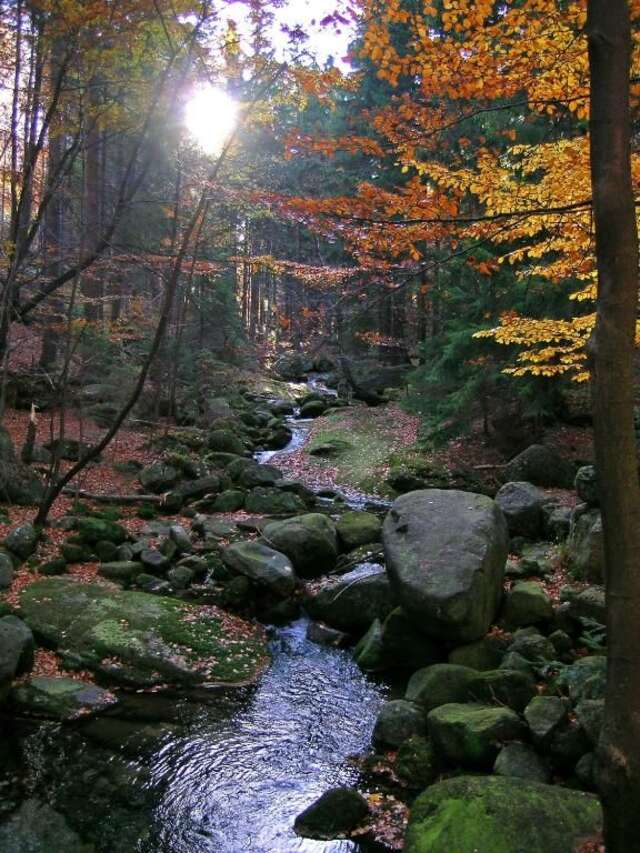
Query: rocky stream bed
[(229, 676)]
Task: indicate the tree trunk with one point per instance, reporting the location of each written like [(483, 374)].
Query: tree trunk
[(613, 353)]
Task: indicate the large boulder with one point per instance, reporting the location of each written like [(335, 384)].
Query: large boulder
[(526, 603), (248, 473), (541, 466), (522, 505), (267, 567), (353, 601), (310, 541), (493, 814), (469, 735), (446, 553), (225, 441), (141, 640), (397, 644), (19, 484)]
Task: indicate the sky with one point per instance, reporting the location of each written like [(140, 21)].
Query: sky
[(324, 41)]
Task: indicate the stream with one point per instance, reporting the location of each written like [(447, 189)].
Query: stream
[(226, 774)]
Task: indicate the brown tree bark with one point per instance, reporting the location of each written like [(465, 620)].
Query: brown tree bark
[(609, 34)]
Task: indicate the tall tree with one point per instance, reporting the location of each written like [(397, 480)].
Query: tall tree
[(613, 345)]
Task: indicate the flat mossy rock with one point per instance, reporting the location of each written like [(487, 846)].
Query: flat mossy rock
[(491, 814), (358, 528), (446, 553), (310, 541), (503, 687), (468, 735), (60, 698), (142, 640)]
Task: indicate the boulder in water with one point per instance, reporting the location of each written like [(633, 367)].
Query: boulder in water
[(60, 698), (353, 601), (446, 553), (337, 812)]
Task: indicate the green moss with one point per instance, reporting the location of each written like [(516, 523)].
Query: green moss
[(367, 438)]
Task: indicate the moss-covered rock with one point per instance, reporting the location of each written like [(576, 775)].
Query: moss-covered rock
[(526, 604), (140, 639), (263, 565), (502, 686), (225, 441), (416, 763), (231, 500), (490, 814), (521, 761), (469, 735), (23, 540), (94, 530), (268, 501), (353, 601), (358, 528), (439, 684), (310, 541), (397, 721)]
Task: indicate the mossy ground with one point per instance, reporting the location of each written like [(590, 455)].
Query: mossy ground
[(372, 437)]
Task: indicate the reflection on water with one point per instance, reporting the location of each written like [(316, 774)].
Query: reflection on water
[(239, 785)]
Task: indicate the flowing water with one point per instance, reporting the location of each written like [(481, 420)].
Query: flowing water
[(225, 775)]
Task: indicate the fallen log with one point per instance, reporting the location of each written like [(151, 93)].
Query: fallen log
[(113, 499)]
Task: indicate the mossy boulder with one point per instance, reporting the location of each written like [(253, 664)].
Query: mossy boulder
[(141, 640), (263, 565), (439, 684), (358, 528), (159, 477), (397, 721), (268, 501), (526, 603), (491, 814), (502, 686), (521, 761), (416, 763), (22, 541), (225, 441), (231, 500), (400, 645), (94, 530), (469, 735), (310, 541), (313, 409), (446, 553), (248, 473)]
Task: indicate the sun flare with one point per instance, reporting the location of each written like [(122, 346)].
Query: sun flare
[(210, 117)]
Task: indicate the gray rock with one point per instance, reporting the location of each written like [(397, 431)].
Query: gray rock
[(179, 535), (270, 501), (154, 560), (586, 545), (397, 721), (16, 648), (158, 477), (556, 521), (123, 571), (180, 577), (545, 715), (310, 541), (587, 603), (541, 466), (6, 571), (262, 564), (336, 813), (512, 688), (520, 761), (22, 541), (446, 553), (522, 505), (440, 684), (586, 485), (358, 528), (353, 601)]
